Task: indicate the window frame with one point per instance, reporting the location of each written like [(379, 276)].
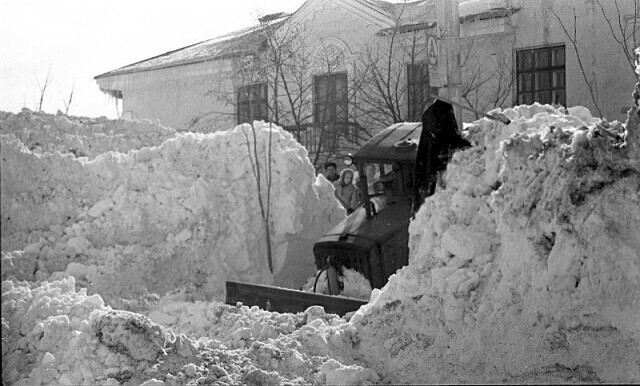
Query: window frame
[(256, 108), (541, 75), (333, 101)]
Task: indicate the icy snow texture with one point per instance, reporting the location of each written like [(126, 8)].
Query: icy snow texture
[(88, 137), (525, 265), (53, 334), (184, 213)]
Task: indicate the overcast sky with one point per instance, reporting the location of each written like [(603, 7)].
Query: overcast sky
[(80, 39)]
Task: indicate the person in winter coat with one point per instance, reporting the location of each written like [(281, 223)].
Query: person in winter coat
[(346, 192), (330, 169)]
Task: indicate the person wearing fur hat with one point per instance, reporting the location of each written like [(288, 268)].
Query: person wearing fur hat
[(346, 192)]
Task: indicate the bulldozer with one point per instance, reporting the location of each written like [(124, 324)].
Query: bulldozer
[(397, 169)]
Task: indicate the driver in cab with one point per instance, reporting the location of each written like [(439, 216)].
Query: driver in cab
[(383, 190)]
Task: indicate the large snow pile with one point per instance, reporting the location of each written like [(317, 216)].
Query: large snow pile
[(184, 213), (525, 265)]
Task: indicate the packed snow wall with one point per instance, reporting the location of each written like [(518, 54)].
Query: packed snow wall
[(525, 263), (186, 212), (81, 136)]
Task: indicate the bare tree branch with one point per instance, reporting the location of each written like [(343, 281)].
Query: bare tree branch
[(67, 102), (624, 37), (43, 87), (573, 38)]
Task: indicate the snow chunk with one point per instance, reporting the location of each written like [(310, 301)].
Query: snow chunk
[(333, 372), (465, 243)]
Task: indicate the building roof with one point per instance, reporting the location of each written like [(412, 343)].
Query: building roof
[(409, 15), (240, 42)]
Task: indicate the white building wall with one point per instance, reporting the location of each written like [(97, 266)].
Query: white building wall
[(601, 56), (176, 95)]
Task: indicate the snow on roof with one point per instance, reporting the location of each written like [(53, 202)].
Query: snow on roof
[(242, 41), (415, 12)]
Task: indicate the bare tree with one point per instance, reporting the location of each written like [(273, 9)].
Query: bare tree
[(42, 87), (383, 86), (625, 30), (290, 72), (295, 78), (573, 38), (262, 170), (67, 102), (474, 73), (487, 80), (287, 66)]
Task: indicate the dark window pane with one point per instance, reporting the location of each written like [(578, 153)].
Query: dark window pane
[(557, 56), (252, 103), (525, 82), (543, 81), (543, 97), (418, 89), (341, 113), (558, 79), (341, 88), (331, 99), (525, 60), (542, 58), (558, 98), (524, 99)]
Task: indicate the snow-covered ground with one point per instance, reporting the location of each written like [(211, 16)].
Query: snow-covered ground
[(524, 266)]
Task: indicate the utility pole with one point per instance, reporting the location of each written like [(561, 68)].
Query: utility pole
[(449, 29)]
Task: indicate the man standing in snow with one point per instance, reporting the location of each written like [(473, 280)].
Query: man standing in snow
[(330, 171)]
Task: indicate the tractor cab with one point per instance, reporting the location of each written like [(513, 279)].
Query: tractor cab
[(373, 240), (396, 170)]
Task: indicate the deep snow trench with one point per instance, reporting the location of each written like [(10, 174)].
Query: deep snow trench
[(117, 238)]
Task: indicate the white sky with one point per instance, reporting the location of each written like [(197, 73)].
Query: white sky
[(84, 38)]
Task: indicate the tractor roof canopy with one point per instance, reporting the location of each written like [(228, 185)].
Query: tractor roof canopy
[(397, 143)]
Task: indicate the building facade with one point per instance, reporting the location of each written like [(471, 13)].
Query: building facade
[(335, 71)]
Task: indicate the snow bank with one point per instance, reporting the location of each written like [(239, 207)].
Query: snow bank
[(53, 334), (81, 136), (525, 266), (184, 213)]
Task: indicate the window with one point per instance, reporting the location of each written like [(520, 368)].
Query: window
[(541, 76), (330, 107), (331, 99), (252, 103), (418, 90)]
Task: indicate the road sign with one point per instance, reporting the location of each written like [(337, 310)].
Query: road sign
[(433, 53), (432, 50)]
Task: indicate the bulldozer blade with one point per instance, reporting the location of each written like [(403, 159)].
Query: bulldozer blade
[(278, 299)]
